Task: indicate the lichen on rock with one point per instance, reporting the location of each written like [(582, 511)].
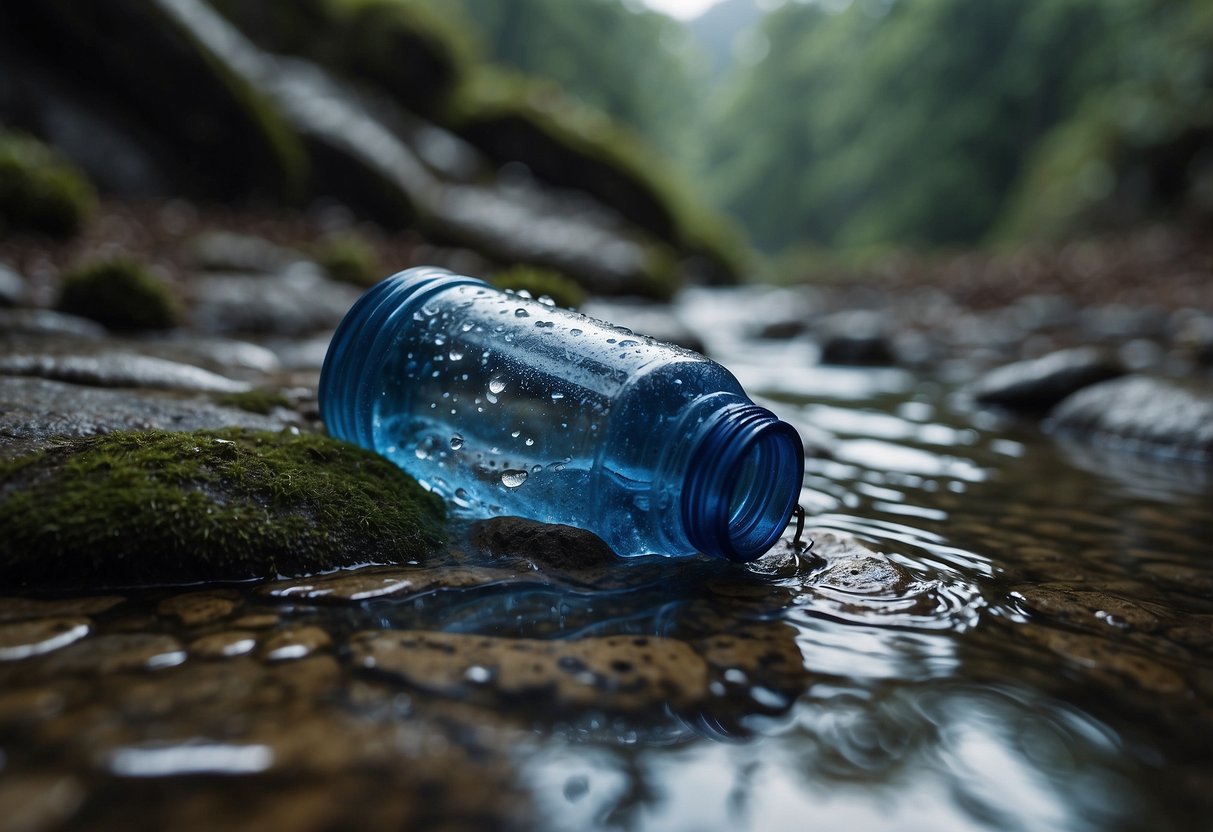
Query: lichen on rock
[(157, 507)]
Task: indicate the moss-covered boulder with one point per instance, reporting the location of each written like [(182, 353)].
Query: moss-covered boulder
[(120, 293), (348, 258), (156, 507), (563, 290), (39, 191)]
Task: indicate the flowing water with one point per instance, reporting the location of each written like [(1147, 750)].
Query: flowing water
[(1033, 651)]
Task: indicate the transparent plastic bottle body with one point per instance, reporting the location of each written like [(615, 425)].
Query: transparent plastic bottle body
[(504, 405)]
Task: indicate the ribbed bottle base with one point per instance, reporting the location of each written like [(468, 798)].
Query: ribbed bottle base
[(743, 482), (348, 386)]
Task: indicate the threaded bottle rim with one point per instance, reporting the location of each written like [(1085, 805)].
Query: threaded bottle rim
[(743, 482), (347, 394)]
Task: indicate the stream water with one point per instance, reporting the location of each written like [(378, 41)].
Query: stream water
[(1035, 651)]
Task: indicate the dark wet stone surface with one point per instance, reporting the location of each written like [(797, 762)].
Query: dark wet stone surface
[(291, 304), (1142, 413), (47, 322), (226, 251), (35, 412), (13, 287), (542, 544), (119, 369), (1038, 384), (858, 338)]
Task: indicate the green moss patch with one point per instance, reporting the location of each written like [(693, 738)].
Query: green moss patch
[(257, 400), (120, 293), (39, 191), (564, 291), (157, 508), (348, 258)]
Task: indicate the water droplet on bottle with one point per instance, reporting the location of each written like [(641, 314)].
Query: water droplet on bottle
[(535, 469), (516, 434), (521, 313), (678, 381), (461, 498), (466, 327), (421, 452), (611, 340), (629, 343), (544, 324), (546, 300), (529, 441), (490, 398), (574, 332), (557, 396), (560, 464), (456, 442), (456, 354), (496, 385), (512, 477)]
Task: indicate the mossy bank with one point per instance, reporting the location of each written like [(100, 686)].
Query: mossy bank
[(147, 508)]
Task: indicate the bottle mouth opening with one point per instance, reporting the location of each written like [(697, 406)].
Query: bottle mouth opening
[(743, 484)]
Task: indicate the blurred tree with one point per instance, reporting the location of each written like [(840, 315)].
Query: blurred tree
[(909, 121)]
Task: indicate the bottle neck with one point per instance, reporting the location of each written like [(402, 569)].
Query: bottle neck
[(742, 482), (363, 338)]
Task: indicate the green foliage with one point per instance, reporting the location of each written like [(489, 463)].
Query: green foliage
[(255, 401), (910, 121), (540, 283), (348, 258), (39, 191), (120, 293), (156, 508)]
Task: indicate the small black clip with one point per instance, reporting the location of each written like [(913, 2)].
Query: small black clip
[(797, 545)]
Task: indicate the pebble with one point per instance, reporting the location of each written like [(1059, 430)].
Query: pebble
[(117, 653), (294, 643), (224, 645), (377, 582), (616, 673), (197, 608), (857, 338), (24, 639), (18, 609), (13, 287)]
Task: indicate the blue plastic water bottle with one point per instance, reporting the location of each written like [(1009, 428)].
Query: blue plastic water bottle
[(505, 405)]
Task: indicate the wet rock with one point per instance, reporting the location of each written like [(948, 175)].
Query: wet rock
[(766, 654), (1141, 413), (35, 413), (616, 673), (116, 653), (161, 508), (854, 568), (1040, 383), (32, 638), (864, 575), (119, 369), (256, 621), (1092, 610), (543, 544), (295, 643), (48, 322), (219, 354), (21, 609), (197, 608), (226, 251), (783, 330), (37, 802), (1108, 661), (857, 338), (13, 287), (225, 645), (295, 304), (374, 582)]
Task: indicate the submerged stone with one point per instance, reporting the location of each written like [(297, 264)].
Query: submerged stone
[(545, 544), (614, 673), (160, 508), (1142, 413), (1040, 383)]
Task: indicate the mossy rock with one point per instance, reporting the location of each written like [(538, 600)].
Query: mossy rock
[(511, 117), (402, 47), (158, 508), (39, 191), (120, 293), (257, 400), (563, 290), (348, 258)]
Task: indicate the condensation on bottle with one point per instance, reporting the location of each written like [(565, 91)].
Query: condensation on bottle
[(505, 405)]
